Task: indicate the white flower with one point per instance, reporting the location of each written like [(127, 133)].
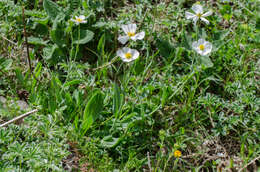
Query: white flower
[(202, 47), (127, 54), (80, 19), (198, 9), (130, 31)]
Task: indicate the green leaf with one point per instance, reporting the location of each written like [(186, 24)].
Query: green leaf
[(73, 82), (218, 38), (37, 72), (101, 44), (57, 33), (99, 24), (43, 21), (40, 29), (83, 37), (110, 141), (51, 8), (92, 111), (205, 60), (118, 101), (166, 48), (186, 41), (37, 41), (164, 95), (19, 76), (49, 51), (53, 54), (73, 5), (5, 64)]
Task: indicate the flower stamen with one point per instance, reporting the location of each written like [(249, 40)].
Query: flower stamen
[(201, 47), (128, 55), (199, 15), (79, 20), (130, 34)]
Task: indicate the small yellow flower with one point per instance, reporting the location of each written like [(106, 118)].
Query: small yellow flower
[(177, 154)]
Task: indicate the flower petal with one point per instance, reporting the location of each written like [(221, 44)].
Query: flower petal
[(195, 19), (135, 54), (132, 28), (120, 53), (198, 9), (195, 45), (124, 59), (138, 36), (123, 39), (201, 41), (126, 50), (201, 52), (82, 17), (208, 48), (125, 28), (207, 14), (205, 20), (189, 15)]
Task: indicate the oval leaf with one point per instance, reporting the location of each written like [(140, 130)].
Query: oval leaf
[(51, 8), (92, 110), (83, 37)]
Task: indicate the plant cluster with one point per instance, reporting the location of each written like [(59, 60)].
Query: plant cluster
[(134, 85)]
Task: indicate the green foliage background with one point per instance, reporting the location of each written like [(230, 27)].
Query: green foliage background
[(107, 115)]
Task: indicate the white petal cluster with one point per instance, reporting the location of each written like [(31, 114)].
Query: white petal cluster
[(130, 31), (79, 19), (202, 47), (127, 54), (198, 14)]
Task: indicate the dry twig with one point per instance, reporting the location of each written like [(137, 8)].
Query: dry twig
[(19, 118)]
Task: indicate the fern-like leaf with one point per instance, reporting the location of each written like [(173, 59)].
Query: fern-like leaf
[(74, 4)]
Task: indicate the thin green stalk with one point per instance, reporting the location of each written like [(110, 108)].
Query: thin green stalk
[(77, 46)]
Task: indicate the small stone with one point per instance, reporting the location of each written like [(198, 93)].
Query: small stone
[(22, 104), (242, 47), (2, 99), (2, 102)]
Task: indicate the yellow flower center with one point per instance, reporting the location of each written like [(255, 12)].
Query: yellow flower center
[(79, 20), (128, 55), (177, 154), (130, 34), (199, 15), (201, 47)]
